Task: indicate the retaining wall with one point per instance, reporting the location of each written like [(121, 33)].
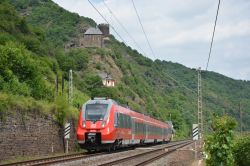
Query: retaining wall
[(31, 134)]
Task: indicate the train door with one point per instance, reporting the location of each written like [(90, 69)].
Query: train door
[(117, 124), (133, 130), (162, 134)]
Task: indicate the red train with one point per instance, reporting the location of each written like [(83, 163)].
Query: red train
[(105, 124)]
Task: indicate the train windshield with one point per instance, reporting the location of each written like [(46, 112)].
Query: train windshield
[(96, 112)]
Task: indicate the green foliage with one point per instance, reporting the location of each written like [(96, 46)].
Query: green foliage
[(19, 73), (219, 145), (62, 110), (90, 83), (10, 103), (65, 62), (60, 25), (80, 58), (14, 27), (242, 151), (9, 18), (106, 92), (31, 43), (147, 85), (98, 66), (75, 59)]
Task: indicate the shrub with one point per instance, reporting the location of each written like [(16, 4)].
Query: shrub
[(75, 59), (219, 145), (20, 73), (80, 58), (242, 151), (61, 110), (98, 66)]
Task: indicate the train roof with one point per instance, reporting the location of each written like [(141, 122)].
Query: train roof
[(103, 100)]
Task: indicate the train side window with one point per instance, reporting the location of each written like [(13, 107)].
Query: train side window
[(120, 120), (116, 120), (129, 122), (140, 128), (123, 121), (137, 128), (126, 121), (133, 128)]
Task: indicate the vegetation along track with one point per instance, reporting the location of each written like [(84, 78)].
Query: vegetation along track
[(52, 160), (149, 156)]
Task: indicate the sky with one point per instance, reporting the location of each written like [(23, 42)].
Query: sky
[(181, 30)]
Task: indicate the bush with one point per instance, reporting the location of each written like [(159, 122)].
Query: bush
[(15, 87), (14, 57), (80, 58), (75, 59), (20, 73), (98, 66), (219, 145), (65, 62), (61, 110), (242, 151)]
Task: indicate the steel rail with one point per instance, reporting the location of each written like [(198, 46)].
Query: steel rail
[(161, 155), (51, 160), (122, 160), (71, 157)]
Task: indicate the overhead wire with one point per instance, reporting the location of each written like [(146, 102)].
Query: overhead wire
[(178, 82), (123, 27), (139, 19), (211, 44), (107, 22), (144, 35)]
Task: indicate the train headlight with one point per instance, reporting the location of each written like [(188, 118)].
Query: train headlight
[(83, 124), (103, 123)]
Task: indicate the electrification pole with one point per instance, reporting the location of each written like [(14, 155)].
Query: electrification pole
[(200, 118), (240, 118), (70, 87)]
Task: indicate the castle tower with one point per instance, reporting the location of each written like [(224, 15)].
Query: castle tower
[(104, 28)]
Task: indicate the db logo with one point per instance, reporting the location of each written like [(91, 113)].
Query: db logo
[(93, 125)]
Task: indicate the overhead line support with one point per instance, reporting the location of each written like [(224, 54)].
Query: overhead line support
[(200, 116)]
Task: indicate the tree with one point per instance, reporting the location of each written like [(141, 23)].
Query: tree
[(242, 151), (219, 145)]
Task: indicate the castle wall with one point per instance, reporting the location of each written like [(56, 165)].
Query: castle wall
[(92, 41)]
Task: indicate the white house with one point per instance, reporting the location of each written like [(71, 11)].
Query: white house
[(107, 80)]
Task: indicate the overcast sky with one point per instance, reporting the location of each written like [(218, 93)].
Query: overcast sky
[(181, 30)]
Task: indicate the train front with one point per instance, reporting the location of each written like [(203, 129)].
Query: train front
[(95, 127)]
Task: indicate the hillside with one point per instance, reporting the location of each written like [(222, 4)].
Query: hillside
[(145, 84)]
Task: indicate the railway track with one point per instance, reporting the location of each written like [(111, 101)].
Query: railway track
[(137, 159), (145, 158), (52, 160)]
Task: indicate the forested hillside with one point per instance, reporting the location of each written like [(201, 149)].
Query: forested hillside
[(33, 36)]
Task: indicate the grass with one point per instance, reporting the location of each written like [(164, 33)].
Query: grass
[(9, 103)]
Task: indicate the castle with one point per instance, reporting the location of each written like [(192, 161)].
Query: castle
[(95, 36)]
